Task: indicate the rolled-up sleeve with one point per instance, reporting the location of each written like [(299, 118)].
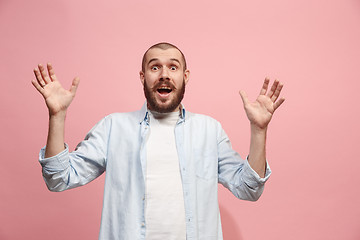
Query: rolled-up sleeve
[(251, 178), (72, 169), (55, 163), (236, 173)]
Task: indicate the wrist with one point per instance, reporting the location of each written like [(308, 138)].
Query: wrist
[(61, 115), (258, 130)]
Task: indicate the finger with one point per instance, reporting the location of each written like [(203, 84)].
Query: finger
[(278, 103), (39, 78), (44, 74), (265, 86), (277, 92), (51, 72), (273, 88), (74, 85), (244, 97), (37, 86)]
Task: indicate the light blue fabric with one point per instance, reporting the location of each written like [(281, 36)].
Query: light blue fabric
[(117, 145)]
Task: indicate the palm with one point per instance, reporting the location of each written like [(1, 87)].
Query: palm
[(56, 97), (262, 109)]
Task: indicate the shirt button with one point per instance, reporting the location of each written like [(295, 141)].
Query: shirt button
[(143, 224)]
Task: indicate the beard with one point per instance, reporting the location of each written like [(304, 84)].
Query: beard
[(163, 108)]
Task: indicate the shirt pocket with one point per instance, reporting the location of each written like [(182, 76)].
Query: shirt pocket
[(206, 164)]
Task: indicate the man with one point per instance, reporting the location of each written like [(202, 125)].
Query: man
[(162, 163)]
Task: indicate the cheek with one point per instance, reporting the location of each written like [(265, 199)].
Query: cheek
[(149, 82), (180, 80), (150, 78)]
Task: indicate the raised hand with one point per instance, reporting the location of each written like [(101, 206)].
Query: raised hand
[(56, 97), (261, 111)]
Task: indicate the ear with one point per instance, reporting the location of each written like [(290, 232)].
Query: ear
[(142, 77), (186, 76)]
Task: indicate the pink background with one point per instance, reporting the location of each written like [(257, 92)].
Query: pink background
[(313, 141)]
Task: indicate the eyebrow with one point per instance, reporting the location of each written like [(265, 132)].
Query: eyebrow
[(172, 59), (176, 60)]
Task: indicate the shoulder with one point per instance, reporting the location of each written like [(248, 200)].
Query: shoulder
[(122, 115), (119, 119), (202, 120), (199, 117), (134, 116)]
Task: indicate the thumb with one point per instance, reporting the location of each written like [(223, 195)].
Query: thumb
[(244, 97), (74, 85)]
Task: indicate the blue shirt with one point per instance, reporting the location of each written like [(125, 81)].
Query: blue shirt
[(117, 145)]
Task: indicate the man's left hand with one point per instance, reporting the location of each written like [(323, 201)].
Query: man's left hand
[(261, 111)]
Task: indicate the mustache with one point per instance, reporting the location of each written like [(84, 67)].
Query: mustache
[(164, 84)]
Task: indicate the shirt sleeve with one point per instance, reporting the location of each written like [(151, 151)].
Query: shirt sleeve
[(72, 169), (236, 173)]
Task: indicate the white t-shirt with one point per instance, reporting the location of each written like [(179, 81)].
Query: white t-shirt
[(164, 206)]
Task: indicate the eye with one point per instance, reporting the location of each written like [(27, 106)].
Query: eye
[(173, 68), (154, 68)]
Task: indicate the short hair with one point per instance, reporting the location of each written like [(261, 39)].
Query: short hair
[(163, 46)]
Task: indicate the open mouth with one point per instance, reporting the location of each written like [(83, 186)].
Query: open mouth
[(164, 90)]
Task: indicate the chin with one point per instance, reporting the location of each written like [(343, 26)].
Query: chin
[(163, 108)]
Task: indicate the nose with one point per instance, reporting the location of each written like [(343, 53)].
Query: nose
[(164, 75)]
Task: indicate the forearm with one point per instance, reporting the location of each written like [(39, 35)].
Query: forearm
[(257, 153), (56, 133)]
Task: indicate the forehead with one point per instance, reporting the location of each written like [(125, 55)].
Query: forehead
[(164, 55)]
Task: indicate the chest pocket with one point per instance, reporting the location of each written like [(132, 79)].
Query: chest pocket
[(206, 163)]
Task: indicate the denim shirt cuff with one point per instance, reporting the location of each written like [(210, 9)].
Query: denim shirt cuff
[(59, 161), (252, 177)]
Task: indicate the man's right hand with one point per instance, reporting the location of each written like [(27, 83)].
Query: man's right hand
[(57, 100), (56, 97)]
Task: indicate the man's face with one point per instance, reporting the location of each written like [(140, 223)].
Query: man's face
[(164, 79)]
